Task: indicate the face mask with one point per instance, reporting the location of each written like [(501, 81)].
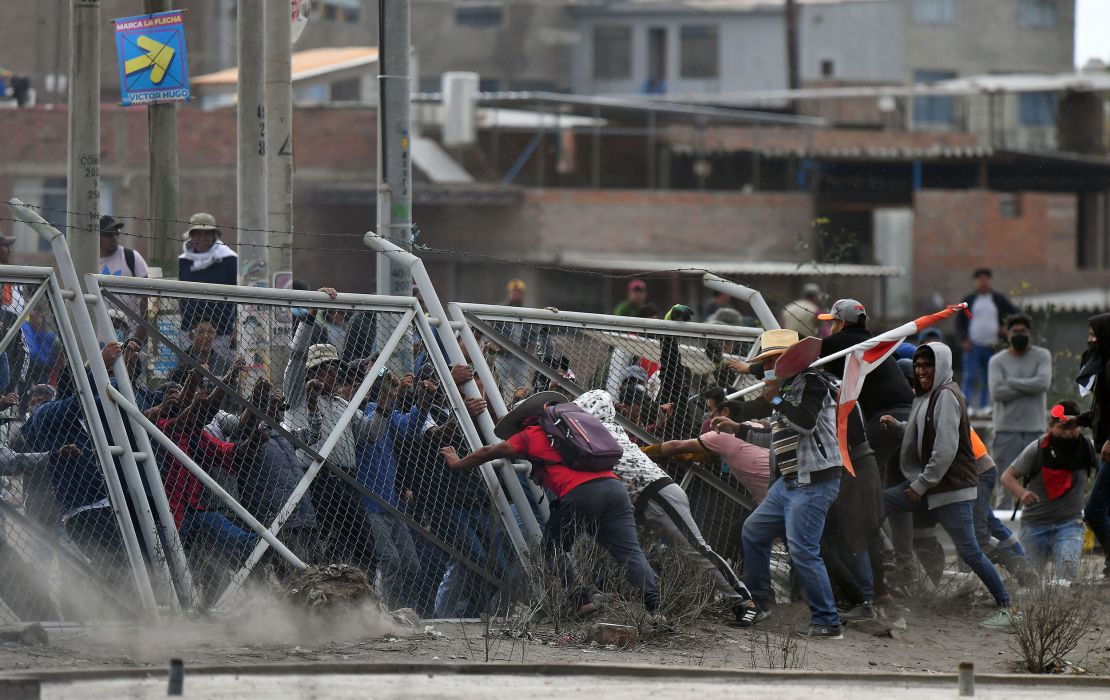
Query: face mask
[(1019, 341), (768, 374), (119, 335)]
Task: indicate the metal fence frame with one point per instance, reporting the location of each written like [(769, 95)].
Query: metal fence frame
[(480, 317), (49, 289), (410, 318)]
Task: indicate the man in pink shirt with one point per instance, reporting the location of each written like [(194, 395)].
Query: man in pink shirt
[(749, 464)]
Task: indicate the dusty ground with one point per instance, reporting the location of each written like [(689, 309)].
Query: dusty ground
[(933, 641)]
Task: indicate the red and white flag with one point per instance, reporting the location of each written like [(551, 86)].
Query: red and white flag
[(867, 356)]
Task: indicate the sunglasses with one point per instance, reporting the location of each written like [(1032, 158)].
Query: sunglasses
[(1069, 424)]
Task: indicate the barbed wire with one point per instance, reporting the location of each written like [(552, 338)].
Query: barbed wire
[(417, 248)]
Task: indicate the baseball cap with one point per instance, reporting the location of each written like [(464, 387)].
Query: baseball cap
[(515, 285), (847, 310), (108, 224), (637, 284)]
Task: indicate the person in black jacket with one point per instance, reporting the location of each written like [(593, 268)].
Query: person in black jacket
[(205, 258), (979, 335), (885, 390), (1094, 378)]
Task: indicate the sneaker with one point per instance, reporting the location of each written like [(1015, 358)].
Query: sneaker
[(822, 632), (863, 611), (749, 617), (1001, 620)]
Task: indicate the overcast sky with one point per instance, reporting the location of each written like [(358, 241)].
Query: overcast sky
[(1092, 20)]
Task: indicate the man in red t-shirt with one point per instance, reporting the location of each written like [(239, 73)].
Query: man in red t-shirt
[(592, 502)]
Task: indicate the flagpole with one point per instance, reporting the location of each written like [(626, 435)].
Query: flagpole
[(903, 331)]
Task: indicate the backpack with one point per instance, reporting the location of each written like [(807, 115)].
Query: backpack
[(129, 259), (584, 443)]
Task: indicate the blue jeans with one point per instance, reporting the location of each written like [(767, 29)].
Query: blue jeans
[(987, 525), (976, 362), (958, 521), (460, 592), (1097, 510), (1062, 543), (215, 528), (796, 511)]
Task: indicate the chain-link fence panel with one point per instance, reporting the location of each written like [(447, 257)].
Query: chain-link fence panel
[(658, 373), (322, 419), (65, 528)]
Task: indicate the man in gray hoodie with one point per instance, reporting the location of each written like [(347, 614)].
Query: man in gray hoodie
[(939, 466)]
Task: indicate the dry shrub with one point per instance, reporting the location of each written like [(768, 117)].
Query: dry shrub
[(1054, 619), (777, 650)]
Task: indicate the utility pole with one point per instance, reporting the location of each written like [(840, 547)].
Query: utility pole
[(792, 70), (279, 135), (162, 153), (394, 135), (83, 182), (251, 161)]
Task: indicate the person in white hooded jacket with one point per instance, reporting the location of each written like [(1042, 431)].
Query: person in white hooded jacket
[(663, 506), (938, 463)]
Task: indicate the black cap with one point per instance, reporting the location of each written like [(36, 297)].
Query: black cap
[(110, 225)]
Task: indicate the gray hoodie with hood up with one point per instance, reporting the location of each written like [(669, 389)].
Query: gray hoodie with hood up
[(928, 470)]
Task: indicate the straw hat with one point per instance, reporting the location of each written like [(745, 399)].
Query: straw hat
[(319, 354), (775, 343), (510, 424)]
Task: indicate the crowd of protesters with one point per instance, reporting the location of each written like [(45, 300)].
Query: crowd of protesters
[(399, 495)]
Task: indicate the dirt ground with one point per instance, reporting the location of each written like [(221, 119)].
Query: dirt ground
[(937, 636)]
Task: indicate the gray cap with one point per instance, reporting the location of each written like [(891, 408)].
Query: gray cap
[(847, 310)]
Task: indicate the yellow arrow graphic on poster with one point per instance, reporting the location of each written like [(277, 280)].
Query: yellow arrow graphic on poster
[(157, 58)]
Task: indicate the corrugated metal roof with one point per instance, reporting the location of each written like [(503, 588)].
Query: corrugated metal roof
[(1086, 300), (312, 63), (590, 261), (630, 6)]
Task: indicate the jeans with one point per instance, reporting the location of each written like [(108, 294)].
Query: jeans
[(397, 562), (601, 508), (989, 530), (958, 521), (1061, 542), (975, 375), (796, 511), (216, 529), (1097, 511), (460, 592)]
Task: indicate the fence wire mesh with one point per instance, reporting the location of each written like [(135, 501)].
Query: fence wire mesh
[(251, 393), (657, 375), (62, 552)]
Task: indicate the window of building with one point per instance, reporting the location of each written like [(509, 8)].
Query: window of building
[(934, 110), (828, 68), (1039, 14), (1009, 206), (935, 11), (612, 52), (349, 11), (1037, 108), (49, 193), (699, 52), (481, 14)]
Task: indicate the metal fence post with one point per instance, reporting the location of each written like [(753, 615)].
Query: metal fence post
[(170, 538), (455, 355), (88, 342)]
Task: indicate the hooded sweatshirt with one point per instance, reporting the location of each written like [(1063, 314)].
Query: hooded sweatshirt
[(218, 265), (937, 455), (1097, 359), (635, 469)]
